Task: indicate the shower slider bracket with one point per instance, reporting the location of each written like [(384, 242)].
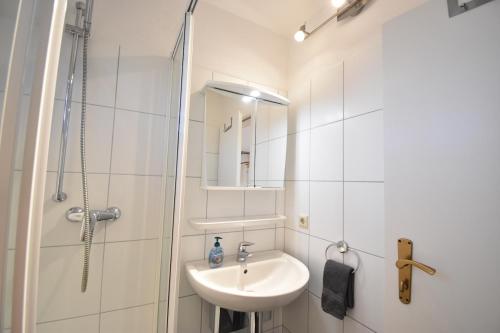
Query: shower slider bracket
[(75, 214), (73, 29)]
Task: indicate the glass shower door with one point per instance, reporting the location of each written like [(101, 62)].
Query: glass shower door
[(30, 37), (175, 170), (8, 15)]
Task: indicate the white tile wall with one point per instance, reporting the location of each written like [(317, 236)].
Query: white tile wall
[(297, 245), (327, 96), (98, 145), (327, 152), (21, 127), (364, 147), (326, 219), (195, 149), (127, 104), (143, 82), (99, 124), (195, 206), (296, 202), (363, 80), (264, 239), (280, 238), (192, 249), (87, 324), (295, 315), (198, 203), (138, 143), (343, 193), (129, 274), (102, 65), (225, 203), (8, 286), (260, 203), (199, 78), (299, 114), (60, 281), (131, 320), (369, 293), (189, 312), (321, 322), (352, 326), (364, 228), (165, 272), (142, 197), (15, 192), (297, 157)]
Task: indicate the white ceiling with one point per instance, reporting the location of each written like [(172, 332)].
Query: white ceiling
[(283, 17), (151, 24)]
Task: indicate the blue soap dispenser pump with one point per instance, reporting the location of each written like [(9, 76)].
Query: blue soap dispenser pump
[(216, 256)]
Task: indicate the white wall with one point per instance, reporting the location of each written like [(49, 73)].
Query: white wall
[(242, 53), (230, 45), (335, 164), (127, 104)]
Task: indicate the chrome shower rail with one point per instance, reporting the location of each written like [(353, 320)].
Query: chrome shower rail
[(77, 33)]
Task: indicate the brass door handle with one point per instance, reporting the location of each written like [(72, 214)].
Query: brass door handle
[(404, 264), (401, 263)]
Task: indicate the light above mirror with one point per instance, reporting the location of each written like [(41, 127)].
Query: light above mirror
[(338, 3), (247, 99), (255, 93)]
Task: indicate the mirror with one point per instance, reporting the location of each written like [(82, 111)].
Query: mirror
[(245, 137)]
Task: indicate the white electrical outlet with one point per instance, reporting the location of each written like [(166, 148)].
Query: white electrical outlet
[(304, 221)]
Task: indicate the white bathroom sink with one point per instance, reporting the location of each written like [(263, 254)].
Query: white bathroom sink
[(268, 280)]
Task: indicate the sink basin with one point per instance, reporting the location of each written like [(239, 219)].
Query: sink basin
[(268, 280)]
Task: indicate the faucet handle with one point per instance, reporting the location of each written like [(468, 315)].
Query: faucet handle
[(243, 245)]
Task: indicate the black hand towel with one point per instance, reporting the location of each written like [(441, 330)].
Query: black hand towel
[(338, 289)]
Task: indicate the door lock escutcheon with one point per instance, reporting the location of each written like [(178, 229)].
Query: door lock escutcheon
[(404, 265)]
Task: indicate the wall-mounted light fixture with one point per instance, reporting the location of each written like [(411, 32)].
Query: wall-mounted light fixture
[(457, 7), (345, 8), (338, 3), (301, 34)]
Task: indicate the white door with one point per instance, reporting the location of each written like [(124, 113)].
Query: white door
[(442, 167)]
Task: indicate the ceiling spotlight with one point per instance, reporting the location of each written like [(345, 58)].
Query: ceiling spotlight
[(301, 34), (255, 93), (338, 3), (246, 99)]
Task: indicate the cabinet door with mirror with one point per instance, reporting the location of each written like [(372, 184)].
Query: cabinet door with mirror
[(245, 137)]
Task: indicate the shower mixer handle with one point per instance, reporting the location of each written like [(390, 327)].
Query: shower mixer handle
[(75, 214)]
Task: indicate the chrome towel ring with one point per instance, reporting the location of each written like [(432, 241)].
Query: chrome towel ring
[(342, 247)]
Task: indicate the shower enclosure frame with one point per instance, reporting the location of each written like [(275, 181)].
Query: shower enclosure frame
[(33, 181), (185, 42), (36, 149)]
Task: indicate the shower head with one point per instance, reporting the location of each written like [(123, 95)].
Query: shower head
[(80, 5), (87, 22)]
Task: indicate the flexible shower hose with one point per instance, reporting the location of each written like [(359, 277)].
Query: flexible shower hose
[(87, 229)]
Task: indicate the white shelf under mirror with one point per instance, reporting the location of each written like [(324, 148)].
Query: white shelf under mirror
[(221, 223), (231, 188)]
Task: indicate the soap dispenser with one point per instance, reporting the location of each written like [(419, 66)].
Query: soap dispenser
[(216, 256)]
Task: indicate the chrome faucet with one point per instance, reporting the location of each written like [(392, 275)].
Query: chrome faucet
[(243, 254)]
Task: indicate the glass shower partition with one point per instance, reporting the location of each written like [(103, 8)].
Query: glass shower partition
[(174, 177), (30, 39)]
